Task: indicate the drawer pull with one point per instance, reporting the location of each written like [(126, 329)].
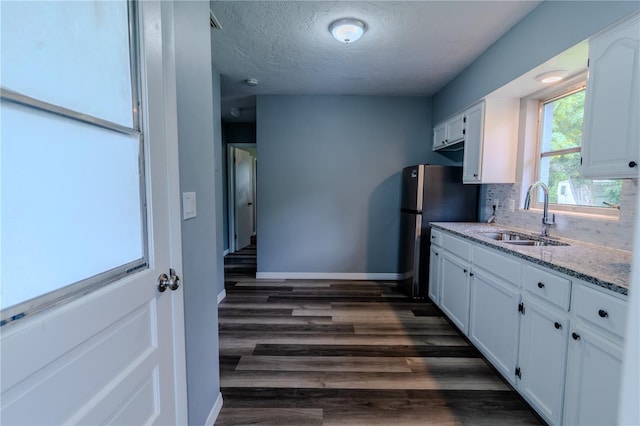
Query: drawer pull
[(540, 285), (603, 313), (575, 336), (558, 326), (464, 270)]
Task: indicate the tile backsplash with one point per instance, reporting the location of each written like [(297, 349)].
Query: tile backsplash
[(612, 233)]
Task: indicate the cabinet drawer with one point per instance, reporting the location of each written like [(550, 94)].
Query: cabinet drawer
[(503, 266), (457, 246), (548, 286), (436, 237), (600, 309)]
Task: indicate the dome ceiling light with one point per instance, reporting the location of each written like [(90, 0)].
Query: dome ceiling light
[(551, 76), (347, 30)]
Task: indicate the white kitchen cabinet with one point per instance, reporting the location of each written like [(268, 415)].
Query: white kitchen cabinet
[(434, 275), (593, 380), (494, 323), (454, 290), (491, 141), (595, 357), (543, 354), (449, 132), (610, 147)]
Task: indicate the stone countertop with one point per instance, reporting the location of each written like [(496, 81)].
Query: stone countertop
[(602, 266)]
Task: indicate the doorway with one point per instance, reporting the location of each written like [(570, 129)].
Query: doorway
[(241, 208)]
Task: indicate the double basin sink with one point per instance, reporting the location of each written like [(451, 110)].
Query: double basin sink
[(521, 239)]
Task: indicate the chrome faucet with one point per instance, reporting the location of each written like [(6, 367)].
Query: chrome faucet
[(545, 215)]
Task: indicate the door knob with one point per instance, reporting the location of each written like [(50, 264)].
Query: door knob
[(163, 282), (171, 281), (174, 280)]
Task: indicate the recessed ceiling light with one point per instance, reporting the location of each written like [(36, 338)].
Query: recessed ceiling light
[(347, 30), (551, 76)]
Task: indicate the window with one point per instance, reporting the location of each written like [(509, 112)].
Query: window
[(560, 141), (72, 210)]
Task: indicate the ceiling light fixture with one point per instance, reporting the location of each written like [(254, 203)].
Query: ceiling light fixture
[(551, 76), (251, 82), (235, 112), (347, 30)]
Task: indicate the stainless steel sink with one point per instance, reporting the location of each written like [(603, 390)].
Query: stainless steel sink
[(506, 236), (535, 243), (521, 239)]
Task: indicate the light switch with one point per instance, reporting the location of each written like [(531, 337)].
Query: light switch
[(188, 205)]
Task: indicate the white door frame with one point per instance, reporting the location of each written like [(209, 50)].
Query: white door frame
[(231, 190)]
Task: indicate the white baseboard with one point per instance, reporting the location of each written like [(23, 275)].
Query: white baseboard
[(221, 296), (330, 276), (226, 252), (215, 410)]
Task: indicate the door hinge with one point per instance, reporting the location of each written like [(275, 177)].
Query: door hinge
[(464, 131), (521, 308), (235, 236), (464, 119), (518, 373), (581, 161)]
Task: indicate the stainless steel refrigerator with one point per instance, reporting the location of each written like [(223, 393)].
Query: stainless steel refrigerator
[(429, 194)]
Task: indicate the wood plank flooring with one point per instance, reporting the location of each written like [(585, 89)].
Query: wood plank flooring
[(300, 352)]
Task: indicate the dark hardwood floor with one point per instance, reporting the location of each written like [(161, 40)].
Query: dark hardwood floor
[(351, 353)]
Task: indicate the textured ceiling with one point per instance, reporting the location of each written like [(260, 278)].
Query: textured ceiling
[(410, 48)]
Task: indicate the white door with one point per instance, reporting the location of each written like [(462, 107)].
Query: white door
[(454, 292), (243, 169), (494, 323), (115, 355), (543, 354)]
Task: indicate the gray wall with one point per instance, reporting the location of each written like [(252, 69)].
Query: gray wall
[(200, 254), (548, 30), (329, 179), (219, 183)]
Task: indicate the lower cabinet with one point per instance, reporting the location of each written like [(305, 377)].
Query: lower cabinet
[(494, 324), (593, 379), (558, 340), (543, 354), (454, 290), (434, 275)]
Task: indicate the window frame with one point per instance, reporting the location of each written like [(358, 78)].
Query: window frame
[(557, 92), (80, 288)]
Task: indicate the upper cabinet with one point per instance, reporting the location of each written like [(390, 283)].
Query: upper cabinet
[(491, 141), (449, 132), (611, 137)]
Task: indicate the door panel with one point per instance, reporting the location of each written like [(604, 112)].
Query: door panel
[(114, 355), (454, 293), (243, 198), (495, 321)]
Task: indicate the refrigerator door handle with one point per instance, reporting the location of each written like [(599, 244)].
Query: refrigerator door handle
[(410, 211)]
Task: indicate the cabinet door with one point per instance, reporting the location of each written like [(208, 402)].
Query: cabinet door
[(455, 129), (543, 353), (454, 293), (474, 137), (494, 323), (612, 105), (593, 380), (439, 136), (434, 275)]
